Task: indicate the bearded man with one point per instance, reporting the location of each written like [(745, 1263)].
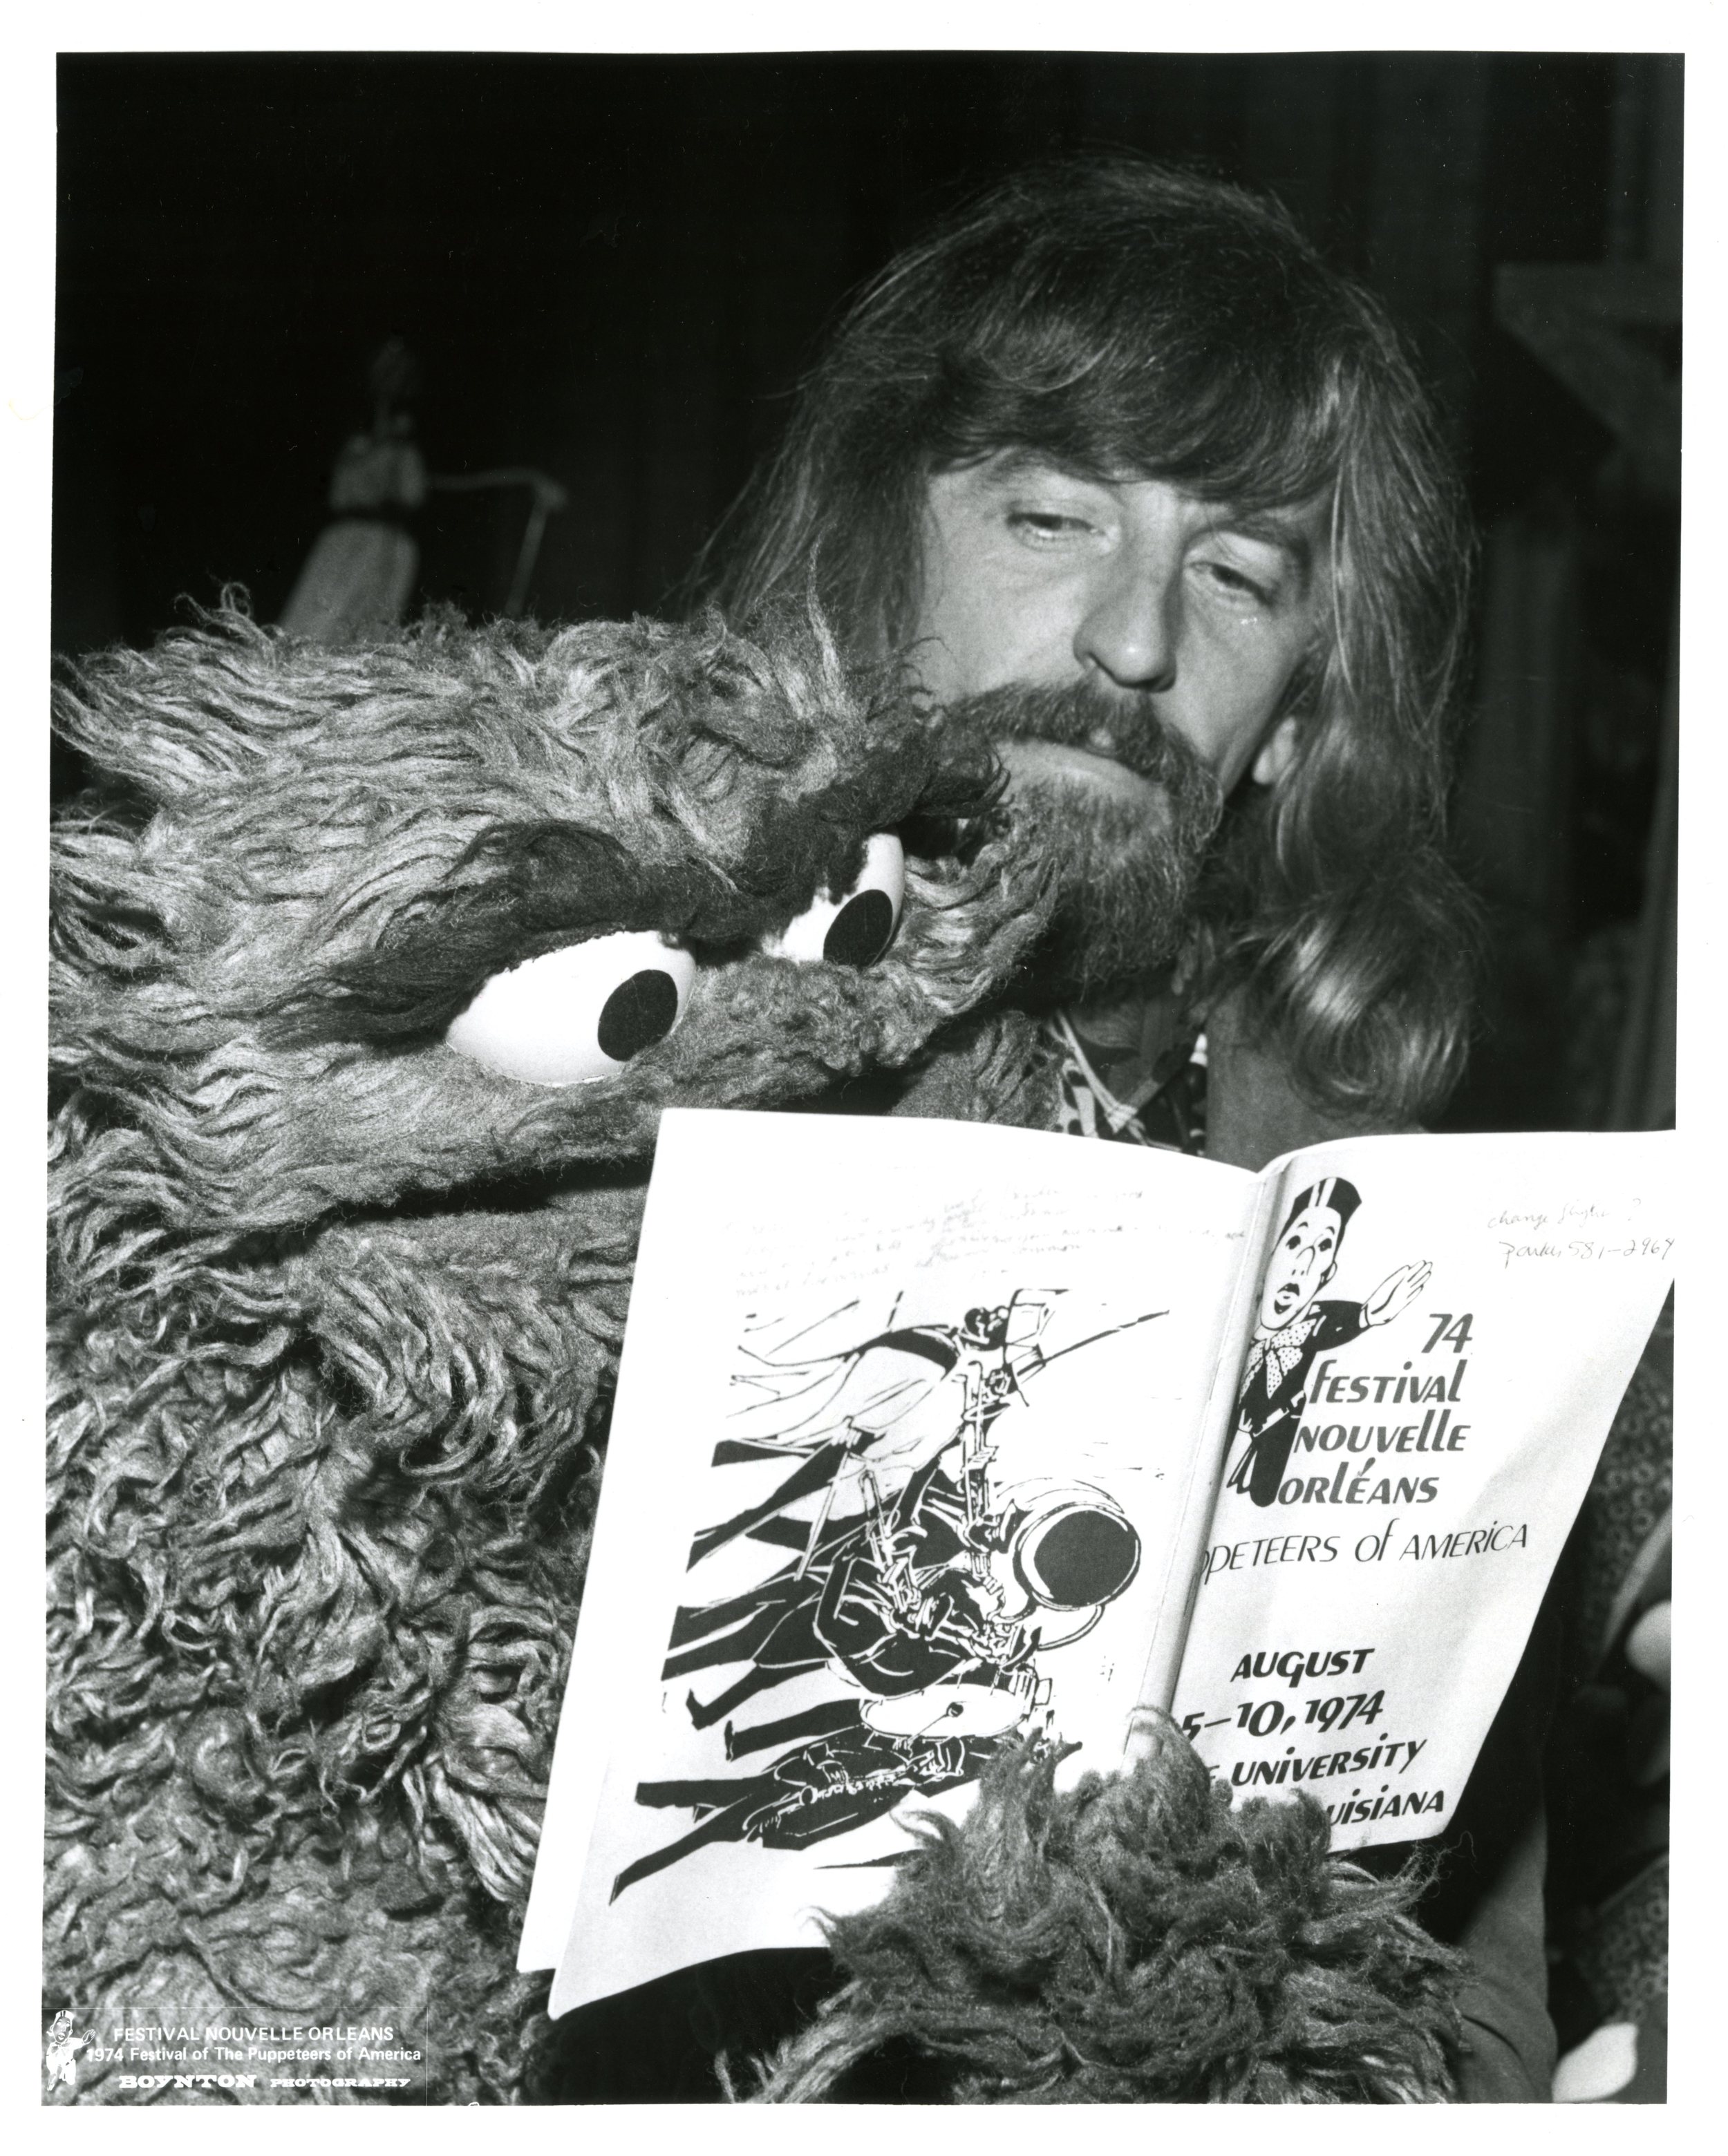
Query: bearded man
[(1140, 481), (1132, 476)]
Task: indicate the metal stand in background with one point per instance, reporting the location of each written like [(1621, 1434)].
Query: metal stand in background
[(360, 574), (547, 496)]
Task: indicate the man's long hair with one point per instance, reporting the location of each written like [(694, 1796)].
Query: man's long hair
[(1126, 319)]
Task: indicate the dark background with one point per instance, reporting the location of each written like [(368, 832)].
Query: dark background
[(615, 270)]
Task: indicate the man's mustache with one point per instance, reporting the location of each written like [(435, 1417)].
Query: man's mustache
[(1127, 873), (1079, 714)]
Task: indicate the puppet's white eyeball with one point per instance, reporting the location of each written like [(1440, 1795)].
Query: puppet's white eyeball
[(579, 1012), (857, 927)]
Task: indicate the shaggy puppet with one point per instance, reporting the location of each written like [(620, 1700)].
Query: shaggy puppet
[(373, 971)]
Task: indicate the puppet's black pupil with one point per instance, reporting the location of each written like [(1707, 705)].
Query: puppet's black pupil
[(639, 1012), (859, 933), (1086, 1558)]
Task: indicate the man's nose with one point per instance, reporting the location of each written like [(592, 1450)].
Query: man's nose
[(1129, 629)]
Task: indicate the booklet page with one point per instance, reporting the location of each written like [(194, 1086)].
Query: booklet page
[(1443, 1330), (905, 1432)]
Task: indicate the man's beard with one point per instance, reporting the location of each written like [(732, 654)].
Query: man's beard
[(1126, 871)]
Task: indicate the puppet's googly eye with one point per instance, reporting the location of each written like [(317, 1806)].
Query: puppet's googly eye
[(857, 927), (576, 1013)]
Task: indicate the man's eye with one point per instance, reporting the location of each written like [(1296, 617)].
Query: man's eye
[(1045, 524), (1238, 583), (854, 926), (576, 1013)]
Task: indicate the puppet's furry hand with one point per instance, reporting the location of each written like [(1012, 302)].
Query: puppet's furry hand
[(1137, 1939)]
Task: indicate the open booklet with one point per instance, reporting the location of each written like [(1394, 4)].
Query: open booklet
[(933, 1438)]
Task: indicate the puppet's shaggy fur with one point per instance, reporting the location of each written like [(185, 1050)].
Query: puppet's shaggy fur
[(335, 1311), (1135, 1940)]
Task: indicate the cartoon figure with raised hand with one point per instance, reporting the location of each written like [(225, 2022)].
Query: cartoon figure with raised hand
[(1293, 1327)]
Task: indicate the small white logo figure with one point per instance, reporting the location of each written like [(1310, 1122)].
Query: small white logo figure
[(63, 2049)]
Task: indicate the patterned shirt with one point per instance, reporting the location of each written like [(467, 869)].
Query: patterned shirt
[(1120, 1080)]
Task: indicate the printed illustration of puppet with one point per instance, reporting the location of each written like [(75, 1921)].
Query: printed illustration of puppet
[(60, 2055), (826, 1787), (1293, 1328), (922, 1592), (889, 1402)]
